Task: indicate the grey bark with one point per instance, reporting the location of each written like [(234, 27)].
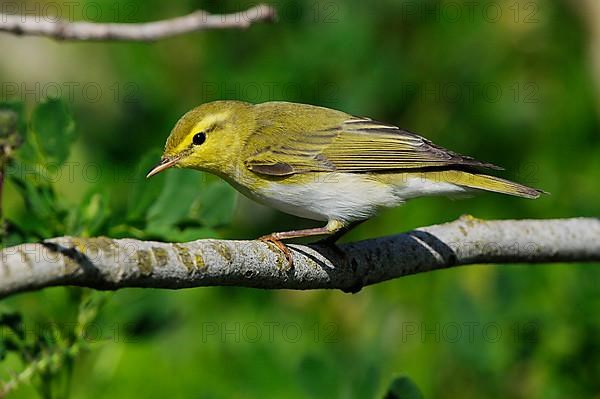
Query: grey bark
[(196, 21), (104, 263)]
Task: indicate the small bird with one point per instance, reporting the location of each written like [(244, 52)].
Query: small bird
[(321, 164)]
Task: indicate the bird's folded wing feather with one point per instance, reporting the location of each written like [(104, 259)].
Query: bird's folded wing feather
[(355, 145)]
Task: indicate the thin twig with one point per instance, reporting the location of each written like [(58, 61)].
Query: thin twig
[(149, 31)]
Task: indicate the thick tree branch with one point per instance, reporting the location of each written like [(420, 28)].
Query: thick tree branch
[(105, 263), (196, 21)]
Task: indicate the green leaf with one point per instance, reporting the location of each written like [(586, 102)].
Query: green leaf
[(90, 218), (38, 198), (27, 153), (44, 215), (216, 204), (52, 131), (14, 322), (144, 192), (174, 202), (403, 388), (12, 333)]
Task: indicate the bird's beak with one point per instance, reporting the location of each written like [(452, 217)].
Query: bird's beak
[(164, 163)]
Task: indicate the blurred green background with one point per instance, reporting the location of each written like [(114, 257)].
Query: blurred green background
[(515, 83)]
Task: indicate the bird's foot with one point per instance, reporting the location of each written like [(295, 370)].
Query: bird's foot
[(272, 239)]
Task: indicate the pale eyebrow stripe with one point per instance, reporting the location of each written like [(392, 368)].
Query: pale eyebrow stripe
[(210, 120)]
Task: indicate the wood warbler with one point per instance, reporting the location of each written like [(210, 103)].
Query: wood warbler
[(319, 163)]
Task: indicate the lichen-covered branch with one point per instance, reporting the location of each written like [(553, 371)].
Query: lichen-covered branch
[(149, 31), (105, 263)]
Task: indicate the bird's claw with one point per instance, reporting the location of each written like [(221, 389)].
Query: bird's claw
[(270, 239)]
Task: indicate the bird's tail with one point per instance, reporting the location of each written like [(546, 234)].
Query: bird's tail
[(489, 183)]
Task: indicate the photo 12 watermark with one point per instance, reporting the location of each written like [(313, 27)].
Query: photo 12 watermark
[(70, 172), (428, 92), (93, 332), (469, 332), (268, 332), (72, 92), (69, 11), (518, 12)]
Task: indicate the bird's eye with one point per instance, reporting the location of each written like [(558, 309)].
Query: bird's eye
[(199, 138)]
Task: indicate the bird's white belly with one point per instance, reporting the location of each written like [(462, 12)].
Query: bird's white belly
[(339, 196), (345, 196)]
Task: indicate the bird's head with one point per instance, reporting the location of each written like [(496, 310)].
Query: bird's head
[(209, 137)]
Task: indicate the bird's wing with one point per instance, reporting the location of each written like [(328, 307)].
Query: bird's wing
[(354, 145)]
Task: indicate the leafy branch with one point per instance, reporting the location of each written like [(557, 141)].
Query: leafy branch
[(48, 356)]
